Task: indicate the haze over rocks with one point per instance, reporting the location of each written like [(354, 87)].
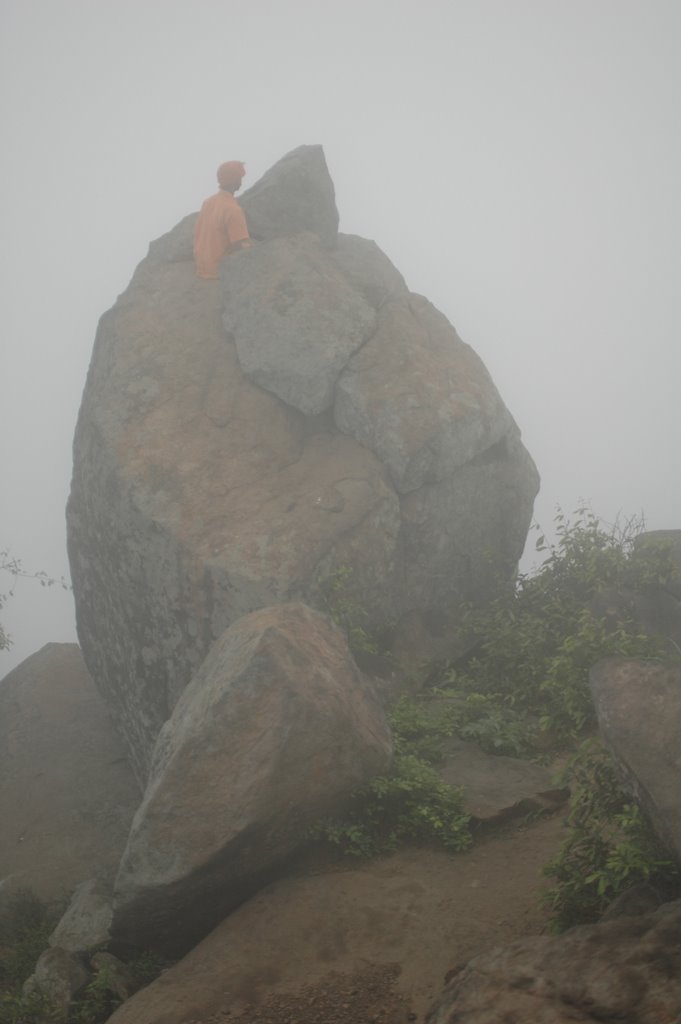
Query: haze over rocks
[(249, 451)]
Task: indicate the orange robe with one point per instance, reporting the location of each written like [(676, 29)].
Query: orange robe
[(220, 226)]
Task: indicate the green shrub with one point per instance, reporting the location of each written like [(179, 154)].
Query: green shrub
[(409, 803), (610, 846), (534, 645), (342, 606)]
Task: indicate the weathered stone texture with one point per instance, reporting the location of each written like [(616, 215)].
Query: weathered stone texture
[(418, 397), (295, 319), (276, 729), (621, 970)]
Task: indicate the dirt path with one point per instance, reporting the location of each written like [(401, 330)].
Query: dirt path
[(368, 942)]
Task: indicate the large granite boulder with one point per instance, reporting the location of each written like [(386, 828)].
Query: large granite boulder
[(626, 969), (276, 729), (638, 706), (339, 423)]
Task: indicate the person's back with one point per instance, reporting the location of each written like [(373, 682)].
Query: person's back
[(221, 226)]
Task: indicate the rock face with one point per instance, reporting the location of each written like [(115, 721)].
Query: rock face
[(621, 970), (275, 730), (638, 705), (337, 421), (67, 794)]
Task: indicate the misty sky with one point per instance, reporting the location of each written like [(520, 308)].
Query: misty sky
[(518, 160)]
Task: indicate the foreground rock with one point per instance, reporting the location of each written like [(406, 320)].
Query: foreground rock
[(638, 705), (338, 424), (627, 969), (420, 911), (67, 794), (274, 732)]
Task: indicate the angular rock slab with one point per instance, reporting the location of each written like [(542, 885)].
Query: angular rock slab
[(295, 319), (638, 705), (276, 729), (418, 397), (295, 195), (621, 970), (495, 788)]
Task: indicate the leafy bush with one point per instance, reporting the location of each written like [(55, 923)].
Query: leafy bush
[(610, 846), (534, 646), (410, 802)]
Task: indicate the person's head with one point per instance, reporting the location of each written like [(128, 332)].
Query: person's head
[(230, 175)]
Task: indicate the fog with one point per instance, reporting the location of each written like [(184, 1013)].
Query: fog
[(518, 160)]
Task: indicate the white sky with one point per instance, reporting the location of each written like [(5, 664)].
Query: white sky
[(518, 160)]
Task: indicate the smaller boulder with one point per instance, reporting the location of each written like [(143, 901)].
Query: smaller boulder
[(85, 924), (295, 318), (296, 194), (275, 731)]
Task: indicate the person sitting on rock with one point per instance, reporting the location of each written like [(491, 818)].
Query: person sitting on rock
[(221, 227)]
